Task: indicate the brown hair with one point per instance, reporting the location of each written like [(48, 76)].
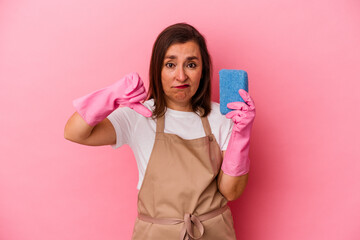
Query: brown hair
[(179, 33)]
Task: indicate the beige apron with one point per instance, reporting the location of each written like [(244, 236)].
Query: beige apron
[(179, 197)]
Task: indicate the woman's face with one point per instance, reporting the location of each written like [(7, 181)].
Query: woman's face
[(181, 74)]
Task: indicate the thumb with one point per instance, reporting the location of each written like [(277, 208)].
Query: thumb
[(244, 94), (138, 107)]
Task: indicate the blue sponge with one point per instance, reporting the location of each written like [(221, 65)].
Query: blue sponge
[(230, 83)]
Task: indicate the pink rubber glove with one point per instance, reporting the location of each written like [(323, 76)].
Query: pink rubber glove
[(236, 161), (128, 91)]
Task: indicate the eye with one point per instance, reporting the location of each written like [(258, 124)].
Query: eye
[(192, 65), (169, 65)]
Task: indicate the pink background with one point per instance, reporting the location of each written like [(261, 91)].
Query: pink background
[(302, 58)]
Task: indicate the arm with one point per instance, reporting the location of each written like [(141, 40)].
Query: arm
[(235, 166), (78, 131), (231, 187), (89, 125)]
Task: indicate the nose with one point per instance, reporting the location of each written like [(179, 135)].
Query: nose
[(181, 74)]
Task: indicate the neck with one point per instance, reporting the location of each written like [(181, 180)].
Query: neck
[(185, 107)]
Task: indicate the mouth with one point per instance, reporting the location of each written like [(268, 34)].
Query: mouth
[(182, 86)]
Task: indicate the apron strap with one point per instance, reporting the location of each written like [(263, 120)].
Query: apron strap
[(206, 125), (160, 124), (189, 220)]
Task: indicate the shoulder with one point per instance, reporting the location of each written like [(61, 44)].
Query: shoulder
[(216, 118), (149, 104), (215, 106), (215, 111)]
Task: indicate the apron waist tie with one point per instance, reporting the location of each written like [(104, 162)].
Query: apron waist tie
[(189, 220)]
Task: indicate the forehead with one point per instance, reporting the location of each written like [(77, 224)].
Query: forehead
[(183, 50)]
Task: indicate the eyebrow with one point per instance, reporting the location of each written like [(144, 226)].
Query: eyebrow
[(188, 58)]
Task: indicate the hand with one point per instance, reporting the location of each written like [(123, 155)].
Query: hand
[(128, 91), (243, 114)]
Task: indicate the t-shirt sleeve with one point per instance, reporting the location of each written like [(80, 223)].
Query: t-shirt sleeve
[(122, 119), (226, 130)]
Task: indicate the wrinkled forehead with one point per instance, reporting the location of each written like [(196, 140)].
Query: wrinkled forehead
[(183, 51)]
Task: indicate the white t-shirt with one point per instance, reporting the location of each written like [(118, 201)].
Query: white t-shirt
[(139, 132)]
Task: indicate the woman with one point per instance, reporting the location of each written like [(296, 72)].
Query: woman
[(177, 136)]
